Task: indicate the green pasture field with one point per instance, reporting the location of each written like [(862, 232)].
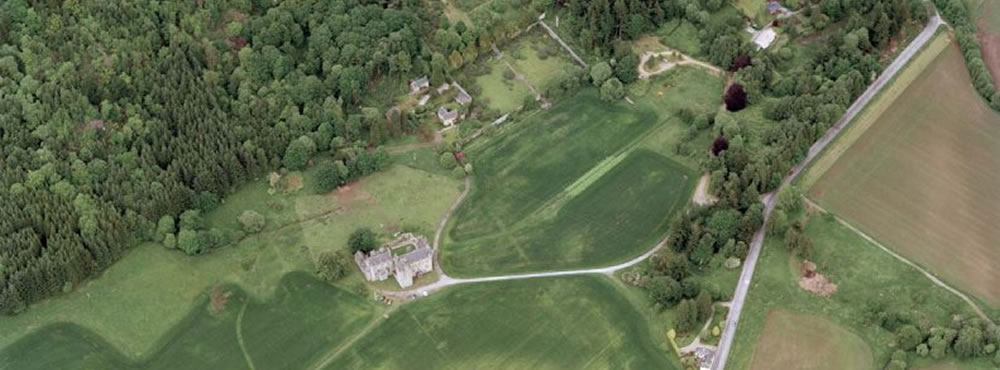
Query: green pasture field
[(139, 299), (526, 170), (866, 277), (621, 214), (923, 178), (579, 322), (304, 318)]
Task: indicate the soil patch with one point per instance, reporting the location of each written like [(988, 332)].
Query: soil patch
[(991, 52), (702, 197), (815, 282), (351, 194)]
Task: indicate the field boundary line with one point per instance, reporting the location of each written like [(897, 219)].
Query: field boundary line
[(937, 281), (239, 335), (874, 110)]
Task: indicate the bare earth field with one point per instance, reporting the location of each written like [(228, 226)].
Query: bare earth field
[(800, 341), (988, 22), (924, 179)]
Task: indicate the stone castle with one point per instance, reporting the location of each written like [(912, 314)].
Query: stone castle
[(417, 259)]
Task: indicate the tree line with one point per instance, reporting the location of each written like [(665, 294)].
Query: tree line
[(958, 15)]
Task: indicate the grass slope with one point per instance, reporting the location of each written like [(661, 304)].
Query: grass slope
[(564, 323), (305, 317), (140, 298), (866, 277), (923, 179)]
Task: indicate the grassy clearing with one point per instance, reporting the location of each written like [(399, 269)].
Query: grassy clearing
[(923, 179), (500, 93), (619, 216), (575, 323), (792, 340), (540, 59), (866, 277), (875, 109), (139, 299), (304, 317), (681, 35)]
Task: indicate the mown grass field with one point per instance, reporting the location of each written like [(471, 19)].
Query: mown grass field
[(866, 277), (923, 178), (138, 300), (563, 323), (305, 318), (519, 216), (800, 341)]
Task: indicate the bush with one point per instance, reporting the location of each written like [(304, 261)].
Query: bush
[(362, 240), (328, 176), (447, 160), (332, 266), (252, 221), (736, 98), (599, 73), (508, 74), (612, 89)]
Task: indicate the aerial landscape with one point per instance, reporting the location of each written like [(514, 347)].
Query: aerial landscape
[(500, 184)]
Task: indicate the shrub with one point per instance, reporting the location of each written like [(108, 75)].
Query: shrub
[(447, 160), (252, 221), (612, 89), (362, 240), (508, 74), (332, 266), (736, 98), (719, 145)]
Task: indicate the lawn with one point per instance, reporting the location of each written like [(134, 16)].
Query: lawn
[(562, 323), (138, 300), (304, 318), (499, 92), (923, 178), (866, 278), (681, 35), (545, 174), (800, 341)]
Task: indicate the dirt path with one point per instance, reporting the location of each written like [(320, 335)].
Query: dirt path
[(702, 196), (885, 249), (331, 355), (667, 65), (564, 45), (239, 335)]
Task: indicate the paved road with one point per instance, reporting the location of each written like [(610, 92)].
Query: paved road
[(736, 308), (445, 281)]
